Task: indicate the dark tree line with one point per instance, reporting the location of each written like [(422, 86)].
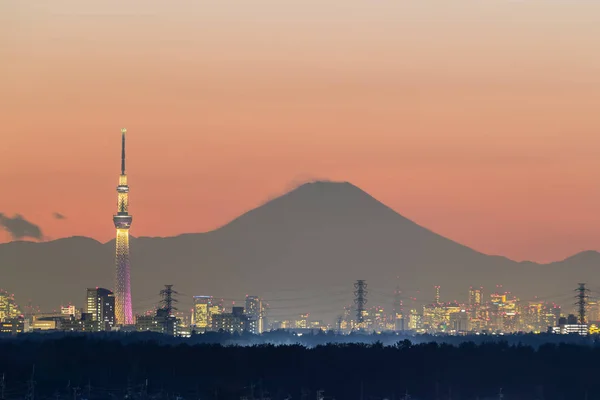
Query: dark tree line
[(99, 367)]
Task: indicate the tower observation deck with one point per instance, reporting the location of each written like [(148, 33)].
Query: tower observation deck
[(122, 221)]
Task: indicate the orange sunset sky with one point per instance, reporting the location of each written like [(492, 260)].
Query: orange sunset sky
[(477, 119)]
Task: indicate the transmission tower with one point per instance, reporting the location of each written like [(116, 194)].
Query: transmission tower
[(168, 300), (581, 304), (360, 299)]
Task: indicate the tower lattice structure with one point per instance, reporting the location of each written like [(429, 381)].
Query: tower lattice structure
[(582, 302), (360, 300), (122, 220)]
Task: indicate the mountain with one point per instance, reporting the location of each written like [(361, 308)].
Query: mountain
[(301, 251)]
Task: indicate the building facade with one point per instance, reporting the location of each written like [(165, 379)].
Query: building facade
[(255, 313), (100, 305), (235, 321), (202, 312), (8, 307)]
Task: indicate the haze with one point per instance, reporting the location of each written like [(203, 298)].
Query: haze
[(476, 119)]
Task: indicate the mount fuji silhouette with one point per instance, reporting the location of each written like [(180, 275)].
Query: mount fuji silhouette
[(302, 252)]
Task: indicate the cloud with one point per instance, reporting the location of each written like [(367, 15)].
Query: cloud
[(58, 215), (302, 179), (19, 228), (295, 183)]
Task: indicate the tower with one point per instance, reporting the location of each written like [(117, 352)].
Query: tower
[(168, 300), (581, 304), (122, 220), (360, 300), (165, 315)]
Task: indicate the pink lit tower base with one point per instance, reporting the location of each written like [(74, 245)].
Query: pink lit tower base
[(122, 220)]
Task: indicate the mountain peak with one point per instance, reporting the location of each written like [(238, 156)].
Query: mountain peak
[(318, 205), (325, 184), (320, 187)]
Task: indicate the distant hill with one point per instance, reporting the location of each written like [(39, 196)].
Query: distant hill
[(302, 251)]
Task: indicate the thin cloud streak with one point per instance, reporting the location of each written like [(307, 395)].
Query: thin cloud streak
[(58, 215)]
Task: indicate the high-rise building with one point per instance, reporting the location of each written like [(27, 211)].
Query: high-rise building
[(415, 320), (217, 307), (203, 306), (101, 308), (475, 296), (459, 322), (398, 319), (475, 302), (122, 221), (593, 310), (255, 314), (8, 307)]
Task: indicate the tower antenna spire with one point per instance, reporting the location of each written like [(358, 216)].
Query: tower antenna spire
[(123, 132)]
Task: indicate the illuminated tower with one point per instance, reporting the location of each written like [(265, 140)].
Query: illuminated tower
[(122, 220)]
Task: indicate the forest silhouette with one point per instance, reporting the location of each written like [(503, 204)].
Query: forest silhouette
[(147, 366)]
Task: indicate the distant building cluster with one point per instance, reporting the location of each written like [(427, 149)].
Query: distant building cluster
[(496, 313), (209, 314)]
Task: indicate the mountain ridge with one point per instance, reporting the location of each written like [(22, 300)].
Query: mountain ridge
[(315, 237)]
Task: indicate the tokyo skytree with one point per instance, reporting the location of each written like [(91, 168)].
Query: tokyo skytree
[(122, 220)]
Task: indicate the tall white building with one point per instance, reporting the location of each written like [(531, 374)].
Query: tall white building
[(255, 313)]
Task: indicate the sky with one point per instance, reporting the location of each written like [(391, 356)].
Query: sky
[(476, 119)]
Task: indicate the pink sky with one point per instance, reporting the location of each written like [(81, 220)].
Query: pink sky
[(477, 119)]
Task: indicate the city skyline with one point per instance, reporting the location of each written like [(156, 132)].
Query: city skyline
[(492, 310), (484, 150)]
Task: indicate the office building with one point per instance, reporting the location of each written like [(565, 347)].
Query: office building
[(101, 306), (202, 311), (232, 322), (8, 307), (255, 313), (459, 322)]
